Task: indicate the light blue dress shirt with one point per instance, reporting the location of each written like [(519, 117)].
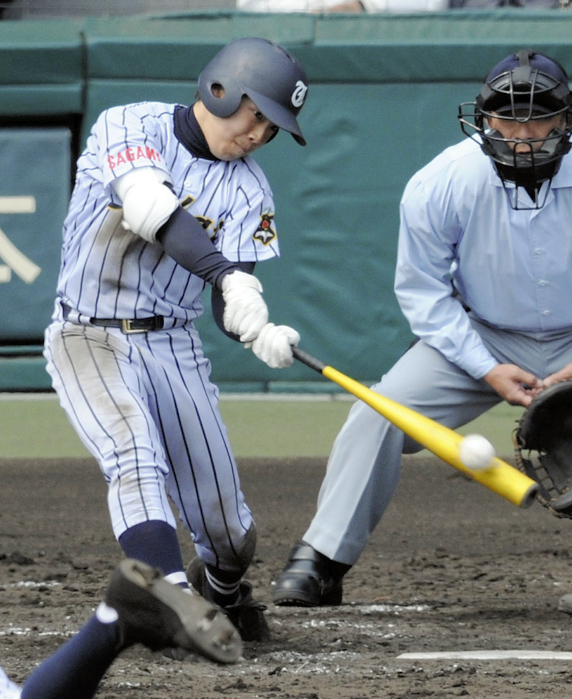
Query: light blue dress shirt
[(513, 269)]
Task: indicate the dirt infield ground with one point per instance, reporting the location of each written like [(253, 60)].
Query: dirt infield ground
[(452, 567)]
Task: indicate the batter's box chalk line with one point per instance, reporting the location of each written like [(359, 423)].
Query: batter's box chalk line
[(489, 655)]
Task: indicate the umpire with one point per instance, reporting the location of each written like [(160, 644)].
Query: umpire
[(483, 278)]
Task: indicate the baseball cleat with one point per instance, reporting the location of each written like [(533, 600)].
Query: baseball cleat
[(307, 580), (161, 615), (246, 614)]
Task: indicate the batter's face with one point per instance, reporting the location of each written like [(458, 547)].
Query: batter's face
[(238, 135), (518, 132)]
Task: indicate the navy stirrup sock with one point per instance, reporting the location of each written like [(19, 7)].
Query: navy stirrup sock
[(155, 543), (75, 670)]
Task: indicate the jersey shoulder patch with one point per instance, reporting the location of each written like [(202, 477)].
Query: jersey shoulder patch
[(265, 232)]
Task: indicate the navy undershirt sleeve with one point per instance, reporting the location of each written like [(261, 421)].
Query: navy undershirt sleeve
[(186, 241)]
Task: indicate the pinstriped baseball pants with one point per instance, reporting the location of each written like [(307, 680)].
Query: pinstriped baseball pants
[(144, 406)]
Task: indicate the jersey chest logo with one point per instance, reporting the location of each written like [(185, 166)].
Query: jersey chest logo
[(265, 232)]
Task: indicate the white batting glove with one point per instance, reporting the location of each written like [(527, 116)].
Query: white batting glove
[(273, 345), (245, 311)]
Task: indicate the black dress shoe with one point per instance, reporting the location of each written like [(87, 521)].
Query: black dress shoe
[(308, 580)]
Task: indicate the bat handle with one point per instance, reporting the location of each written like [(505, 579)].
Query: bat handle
[(308, 360)]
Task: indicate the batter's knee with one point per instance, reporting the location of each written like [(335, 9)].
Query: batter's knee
[(229, 554)]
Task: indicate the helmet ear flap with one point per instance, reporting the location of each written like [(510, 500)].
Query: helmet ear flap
[(225, 104)]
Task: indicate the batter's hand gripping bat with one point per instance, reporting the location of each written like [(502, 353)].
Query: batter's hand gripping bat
[(501, 478)]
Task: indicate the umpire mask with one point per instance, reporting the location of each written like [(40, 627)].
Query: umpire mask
[(523, 87)]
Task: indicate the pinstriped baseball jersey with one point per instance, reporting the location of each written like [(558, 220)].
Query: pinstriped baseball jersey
[(109, 272)]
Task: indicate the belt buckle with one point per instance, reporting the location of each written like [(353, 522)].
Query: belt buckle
[(128, 329)]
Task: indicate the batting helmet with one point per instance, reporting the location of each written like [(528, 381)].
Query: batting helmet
[(523, 87), (263, 71)]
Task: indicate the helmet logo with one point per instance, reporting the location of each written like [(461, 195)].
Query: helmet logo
[(299, 94)]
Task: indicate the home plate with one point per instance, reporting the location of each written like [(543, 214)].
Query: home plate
[(489, 655)]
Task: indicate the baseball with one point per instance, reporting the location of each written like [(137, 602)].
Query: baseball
[(476, 452)]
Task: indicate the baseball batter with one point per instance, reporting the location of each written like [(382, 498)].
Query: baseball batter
[(483, 278), (167, 200)]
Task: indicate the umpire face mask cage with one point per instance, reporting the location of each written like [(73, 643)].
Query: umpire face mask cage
[(525, 86), (263, 71)]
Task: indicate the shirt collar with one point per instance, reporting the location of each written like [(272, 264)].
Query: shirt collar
[(190, 134)]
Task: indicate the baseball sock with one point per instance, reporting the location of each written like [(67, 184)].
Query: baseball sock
[(75, 670), (224, 585), (155, 543)]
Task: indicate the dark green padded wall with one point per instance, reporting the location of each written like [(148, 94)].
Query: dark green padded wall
[(382, 102)]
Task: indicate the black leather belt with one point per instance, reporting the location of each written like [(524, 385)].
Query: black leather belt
[(126, 325)]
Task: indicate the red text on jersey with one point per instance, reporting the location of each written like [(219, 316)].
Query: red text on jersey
[(130, 155)]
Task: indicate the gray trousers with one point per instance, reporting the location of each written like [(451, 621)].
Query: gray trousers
[(364, 465)]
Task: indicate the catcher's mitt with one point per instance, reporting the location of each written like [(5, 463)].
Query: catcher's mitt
[(543, 446)]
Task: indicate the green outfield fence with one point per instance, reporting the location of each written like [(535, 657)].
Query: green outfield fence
[(383, 100)]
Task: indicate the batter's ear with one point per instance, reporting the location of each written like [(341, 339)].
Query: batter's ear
[(217, 91)]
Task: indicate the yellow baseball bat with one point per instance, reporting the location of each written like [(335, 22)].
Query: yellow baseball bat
[(501, 478)]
